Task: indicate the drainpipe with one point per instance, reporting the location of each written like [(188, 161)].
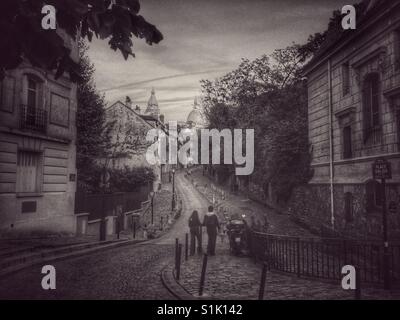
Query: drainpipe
[(331, 169)]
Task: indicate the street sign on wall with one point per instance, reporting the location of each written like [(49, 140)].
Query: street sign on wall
[(381, 169)]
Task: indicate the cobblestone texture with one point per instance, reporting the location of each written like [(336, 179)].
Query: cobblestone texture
[(238, 204), (231, 277), (133, 272), (125, 273)]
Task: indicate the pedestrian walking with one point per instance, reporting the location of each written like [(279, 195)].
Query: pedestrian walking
[(195, 233), (212, 225)]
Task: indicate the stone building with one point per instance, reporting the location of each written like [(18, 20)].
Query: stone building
[(354, 119), (129, 135), (37, 150)]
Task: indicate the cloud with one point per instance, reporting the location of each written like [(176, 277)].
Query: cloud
[(202, 40)]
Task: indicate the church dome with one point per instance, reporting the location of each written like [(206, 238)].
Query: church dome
[(195, 117)]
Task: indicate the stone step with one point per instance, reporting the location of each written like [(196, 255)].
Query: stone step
[(64, 254), (8, 252), (30, 254)]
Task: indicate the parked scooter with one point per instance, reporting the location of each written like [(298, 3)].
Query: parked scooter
[(237, 236)]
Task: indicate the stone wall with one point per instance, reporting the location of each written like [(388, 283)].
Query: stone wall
[(310, 205)]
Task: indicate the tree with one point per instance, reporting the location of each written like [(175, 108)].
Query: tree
[(92, 130), (267, 94), (24, 38)]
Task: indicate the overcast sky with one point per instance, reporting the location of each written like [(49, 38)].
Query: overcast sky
[(203, 39)]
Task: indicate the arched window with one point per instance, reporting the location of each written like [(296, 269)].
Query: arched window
[(371, 109), (373, 195)]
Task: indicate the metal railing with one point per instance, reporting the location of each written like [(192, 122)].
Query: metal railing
[(32, 118), (324, 258), (101, 205)]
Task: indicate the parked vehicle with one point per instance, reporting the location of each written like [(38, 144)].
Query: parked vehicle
[(237, 236)]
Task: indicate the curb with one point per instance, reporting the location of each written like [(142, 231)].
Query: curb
[(174, 287), (14, 269)]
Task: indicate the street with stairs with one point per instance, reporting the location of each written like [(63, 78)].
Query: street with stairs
[(127, 272), (145, 270)]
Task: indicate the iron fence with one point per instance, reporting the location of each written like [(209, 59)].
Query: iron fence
[(109, 204), (324, 258), (32, 118)]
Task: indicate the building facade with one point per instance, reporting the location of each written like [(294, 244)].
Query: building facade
[(37, 150), (129, 136), (354, 119)]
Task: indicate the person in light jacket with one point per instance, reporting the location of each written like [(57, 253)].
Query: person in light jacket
[(212, 225)]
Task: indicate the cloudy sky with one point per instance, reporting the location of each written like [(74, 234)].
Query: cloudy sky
[(203, 39)]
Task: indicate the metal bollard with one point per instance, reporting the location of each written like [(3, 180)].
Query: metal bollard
[(178, 269), (203, 274), (298, 257), (357, 291), (176, 252), (262, 283), (186, 246)]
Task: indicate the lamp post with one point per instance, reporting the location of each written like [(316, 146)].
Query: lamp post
[(152, 206), (173, 189)]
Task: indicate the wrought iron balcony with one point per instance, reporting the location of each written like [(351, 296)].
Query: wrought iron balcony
[(32, 118)]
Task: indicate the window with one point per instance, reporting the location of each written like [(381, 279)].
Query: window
[(348, 206), (33, 116), (396, 43), (371, 116), (347, 146), (7, 90), (28, 171), (346, 78), (32, 93), (373, 195)]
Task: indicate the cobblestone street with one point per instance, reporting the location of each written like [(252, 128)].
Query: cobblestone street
[(131, 272), (230, 277), (134, 272), (125, 273)]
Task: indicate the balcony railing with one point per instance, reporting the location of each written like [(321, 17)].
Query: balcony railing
[(32, 118)]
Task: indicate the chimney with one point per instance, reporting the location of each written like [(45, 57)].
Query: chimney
[(137, 109), (128, 102)]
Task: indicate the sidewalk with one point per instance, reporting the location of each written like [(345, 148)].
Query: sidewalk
[(238, 204), (233, 278)]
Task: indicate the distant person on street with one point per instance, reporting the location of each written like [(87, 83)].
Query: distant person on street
[(195, 233), (212, 224)]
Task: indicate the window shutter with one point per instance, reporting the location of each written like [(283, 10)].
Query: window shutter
[(367, 115), (347, 147), (375, 101), (7, 90), (348, 206)]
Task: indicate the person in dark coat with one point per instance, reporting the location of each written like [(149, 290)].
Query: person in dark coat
[(195, 233), (212, 224)]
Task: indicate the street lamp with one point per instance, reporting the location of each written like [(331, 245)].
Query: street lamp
[(173, 189), (152, 206)]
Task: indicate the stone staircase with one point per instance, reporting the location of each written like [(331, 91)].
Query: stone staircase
[(14, 258)]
